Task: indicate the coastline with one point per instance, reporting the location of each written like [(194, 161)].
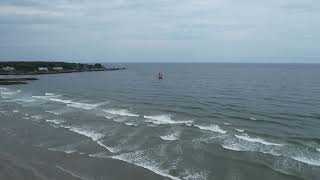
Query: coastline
[(43, 68), (59, 72)]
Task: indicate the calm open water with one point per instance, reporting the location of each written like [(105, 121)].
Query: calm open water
[(202, 121)]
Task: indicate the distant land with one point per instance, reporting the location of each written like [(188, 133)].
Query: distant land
[(42, 67)]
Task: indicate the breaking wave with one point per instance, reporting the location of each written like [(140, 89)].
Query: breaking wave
[(130, 124), (70, 103), (113, 150), (234, 145), (55, 121), (165, 119), (121, 112), (256, 140), (92, 134), (213, 128), (138, 159), (6, 93), (85, 131), (171, 137), (239, 130), (307, 160), (68, 149)]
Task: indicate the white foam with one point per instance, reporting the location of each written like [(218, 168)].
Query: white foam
[(16, 111), (239, 130), (202, 175), (26, 100), (306, 160), (318, 149), (62, 150), (55, 121), (7, 93), (256, 140), (99, 155), (233, 147), (53, 112), (3, 89), (140, 161), (106, 116), (113, 150), (86, 132), (121, 112), (254, 119), (38, 117), (171, 137), (50, 94), (84, 105), (120, 119), (164, 119), (130, 124), (41, 97), (213, 128), (55, 126), (71, 103)]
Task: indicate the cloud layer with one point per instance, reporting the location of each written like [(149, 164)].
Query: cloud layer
[(161, 30)]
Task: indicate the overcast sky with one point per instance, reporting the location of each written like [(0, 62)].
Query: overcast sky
[(160, 30)]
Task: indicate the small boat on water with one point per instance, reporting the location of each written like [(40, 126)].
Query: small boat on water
[(160, 76)]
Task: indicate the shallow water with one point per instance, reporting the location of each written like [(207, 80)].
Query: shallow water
[(202, 121)]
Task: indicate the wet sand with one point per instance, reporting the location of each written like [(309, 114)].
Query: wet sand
[(20, 160)]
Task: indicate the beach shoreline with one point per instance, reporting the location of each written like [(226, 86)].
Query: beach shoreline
[(20, 160)]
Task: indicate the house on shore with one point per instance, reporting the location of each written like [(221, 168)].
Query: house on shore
[(8, 68), (57, 68), (43, 69)]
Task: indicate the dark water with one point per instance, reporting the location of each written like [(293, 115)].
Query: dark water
[(202, 121)]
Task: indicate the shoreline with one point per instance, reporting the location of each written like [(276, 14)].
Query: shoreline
[(22, 158), (58, 72), (17, 81)]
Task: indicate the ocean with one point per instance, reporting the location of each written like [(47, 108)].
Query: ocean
[(200, 122)]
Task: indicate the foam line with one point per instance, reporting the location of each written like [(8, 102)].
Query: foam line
[(239, 130), (85, 132), (121, 112), (307, 160), (256, 140), (55, 121), (171, 137), (144, 165), (213, 128), (108, 148), (164, 119)]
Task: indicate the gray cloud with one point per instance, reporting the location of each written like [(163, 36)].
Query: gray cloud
[(131, 30)]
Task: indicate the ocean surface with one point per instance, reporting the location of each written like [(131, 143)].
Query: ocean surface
[(201, 122)]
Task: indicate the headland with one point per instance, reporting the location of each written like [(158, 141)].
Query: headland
[(42, 67)]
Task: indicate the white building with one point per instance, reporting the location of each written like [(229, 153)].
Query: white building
[(43, 69), (8, 68), (57, 68)]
